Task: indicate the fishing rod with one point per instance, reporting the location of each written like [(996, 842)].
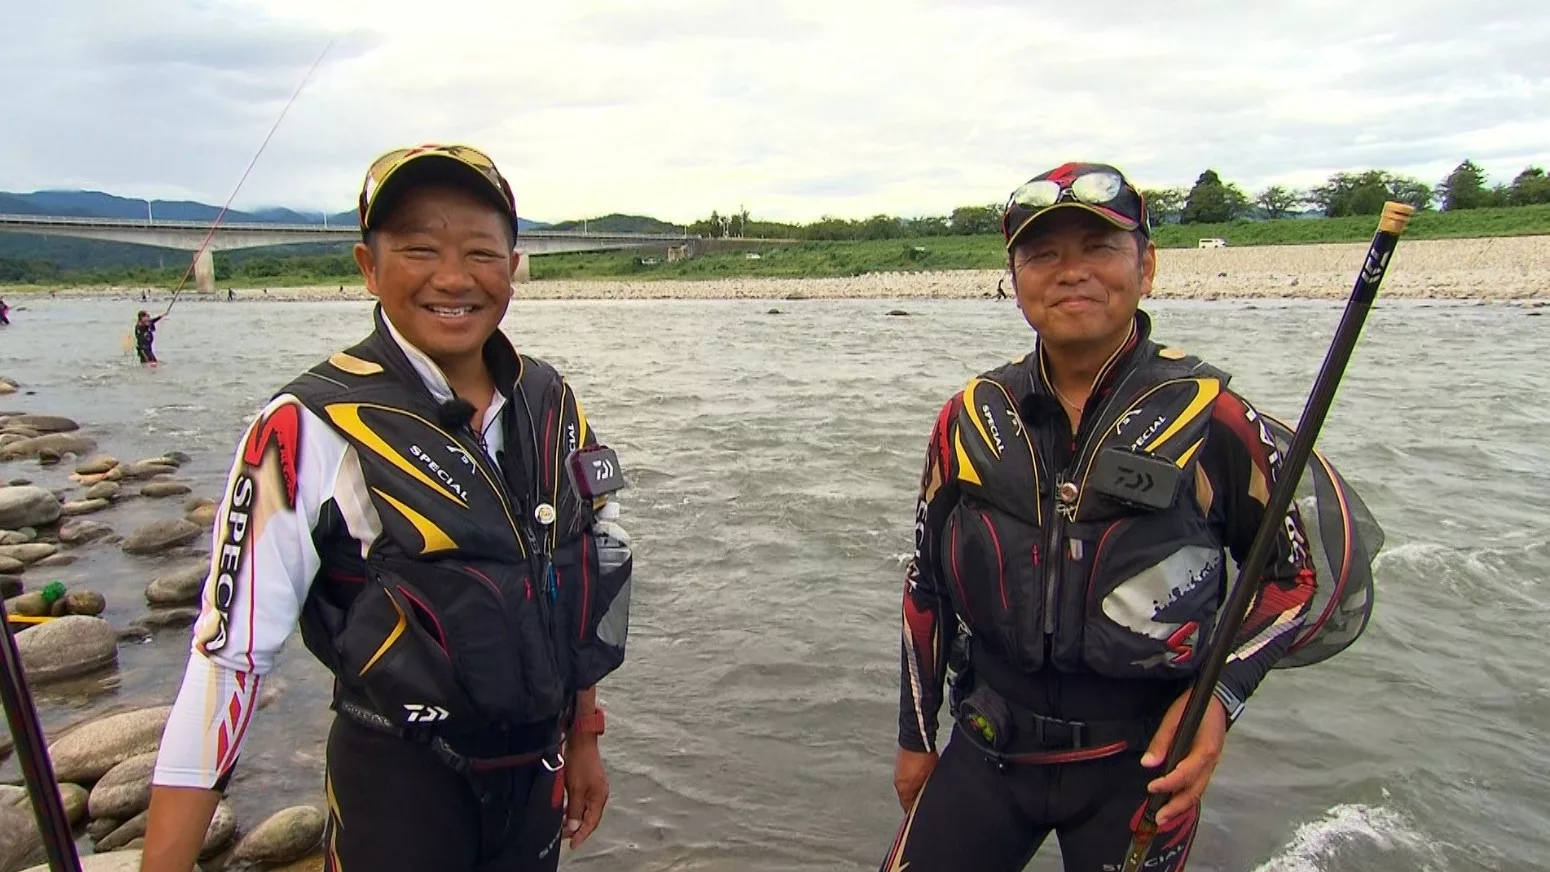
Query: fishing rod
[(15, 695), (265, 144), (1390, 226), (32, 751)]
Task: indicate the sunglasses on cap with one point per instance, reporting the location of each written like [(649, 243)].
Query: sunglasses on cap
[(472, 160), (1096, 188)]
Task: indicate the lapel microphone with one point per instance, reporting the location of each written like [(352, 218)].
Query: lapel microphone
[(456, 413)]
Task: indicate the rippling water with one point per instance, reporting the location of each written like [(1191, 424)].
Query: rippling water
[(773, 460)]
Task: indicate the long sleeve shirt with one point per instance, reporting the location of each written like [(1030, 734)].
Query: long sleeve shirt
[(251, 606)]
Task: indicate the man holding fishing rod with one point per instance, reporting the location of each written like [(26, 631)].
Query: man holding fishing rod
[(434, 508), (1068, 572), (145, 335)]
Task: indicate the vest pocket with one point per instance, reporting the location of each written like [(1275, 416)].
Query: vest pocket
[(994, 573), (1154, 587), (503, 647), (472, 642), (593, 610), (388, 653)]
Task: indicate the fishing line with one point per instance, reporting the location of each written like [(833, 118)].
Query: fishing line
[(265, 144), (129, 341)]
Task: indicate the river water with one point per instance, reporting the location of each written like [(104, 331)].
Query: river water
[(773, 462)]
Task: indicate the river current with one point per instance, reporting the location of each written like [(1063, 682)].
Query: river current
[(773, 461)]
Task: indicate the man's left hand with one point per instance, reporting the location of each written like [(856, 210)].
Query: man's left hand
[(1187, 782), (586, 788)]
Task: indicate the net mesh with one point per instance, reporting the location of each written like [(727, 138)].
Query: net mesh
[(1344, 538)]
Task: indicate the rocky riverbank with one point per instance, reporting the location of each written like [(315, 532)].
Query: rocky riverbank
[(49, 519), (1498, 268)]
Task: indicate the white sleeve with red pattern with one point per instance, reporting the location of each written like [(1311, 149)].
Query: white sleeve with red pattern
[(209, 720), (263, 560)]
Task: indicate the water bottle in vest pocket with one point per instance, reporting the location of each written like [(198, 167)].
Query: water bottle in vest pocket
[(593, 577)]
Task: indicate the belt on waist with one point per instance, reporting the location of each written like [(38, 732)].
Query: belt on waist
[(548, 754), (1011, 733)]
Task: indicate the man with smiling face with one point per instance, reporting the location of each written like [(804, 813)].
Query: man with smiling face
[(1070, 534), (421, 502)]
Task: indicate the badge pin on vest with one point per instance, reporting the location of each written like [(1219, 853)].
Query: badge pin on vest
[(545, 514)]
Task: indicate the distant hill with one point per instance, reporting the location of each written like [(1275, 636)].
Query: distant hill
[(616, 223), (96, 204), (75, 254)]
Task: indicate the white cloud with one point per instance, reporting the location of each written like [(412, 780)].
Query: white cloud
[(795, 109)]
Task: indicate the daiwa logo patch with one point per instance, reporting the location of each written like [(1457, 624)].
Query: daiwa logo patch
[(421, 713)]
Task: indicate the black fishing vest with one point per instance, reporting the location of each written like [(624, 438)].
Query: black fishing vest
[(1047, 570), (452, 618)]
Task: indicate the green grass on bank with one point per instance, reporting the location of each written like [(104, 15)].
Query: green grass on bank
[(809, 259), (801, 260), (819, 259)]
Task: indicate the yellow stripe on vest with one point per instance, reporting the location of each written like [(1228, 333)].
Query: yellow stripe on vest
[(347, 417), (354, 365), (398, 630), (1206, 391), (436, 539), (966, 470), (1183, 460)]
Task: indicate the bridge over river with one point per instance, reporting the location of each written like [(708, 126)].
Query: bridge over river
[(229, 236)]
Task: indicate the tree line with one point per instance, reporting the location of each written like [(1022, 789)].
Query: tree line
[(1209, 201), (1213, 201)]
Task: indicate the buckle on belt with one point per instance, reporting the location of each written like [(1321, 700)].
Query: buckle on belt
[(459, 763), (1058, 734)]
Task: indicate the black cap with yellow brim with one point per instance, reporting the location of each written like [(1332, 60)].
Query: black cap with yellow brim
[(395, 171)]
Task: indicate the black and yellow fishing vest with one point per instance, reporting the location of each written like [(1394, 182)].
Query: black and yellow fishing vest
[(1053, 568), (464, 613)]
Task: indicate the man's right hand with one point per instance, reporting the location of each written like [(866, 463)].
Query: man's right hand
[(910, 771)]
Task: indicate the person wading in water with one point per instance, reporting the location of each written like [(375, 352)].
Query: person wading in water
[(145, 336)]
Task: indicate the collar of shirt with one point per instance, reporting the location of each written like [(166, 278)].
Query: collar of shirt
[(436, 381)]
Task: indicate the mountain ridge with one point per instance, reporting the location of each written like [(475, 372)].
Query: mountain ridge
[(99, 204)]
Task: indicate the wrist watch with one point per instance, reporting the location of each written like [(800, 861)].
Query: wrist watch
[(590, 724)]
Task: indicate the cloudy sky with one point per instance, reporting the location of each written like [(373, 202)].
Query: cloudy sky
[(792, 108)]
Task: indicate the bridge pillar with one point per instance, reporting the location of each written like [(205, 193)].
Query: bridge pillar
[(524, 271), (204, 272)]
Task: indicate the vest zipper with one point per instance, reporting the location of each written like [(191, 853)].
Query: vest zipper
[(498, 484), (1065, 494), (540, 563), (1068, 495)]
